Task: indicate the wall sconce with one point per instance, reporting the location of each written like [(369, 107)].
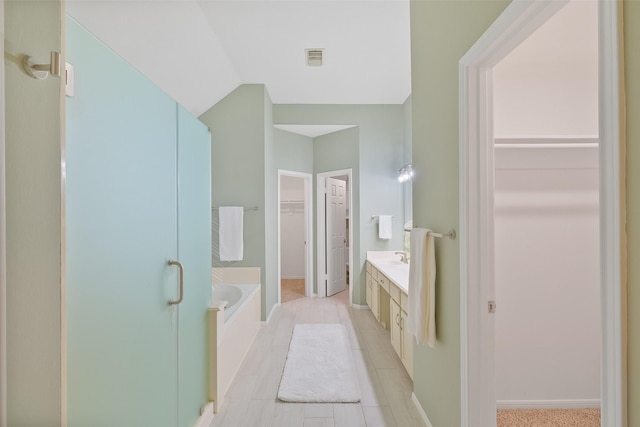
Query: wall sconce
[(405, 173)]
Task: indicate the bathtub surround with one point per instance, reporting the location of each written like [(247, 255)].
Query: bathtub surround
[(319, 366), (233, 320)]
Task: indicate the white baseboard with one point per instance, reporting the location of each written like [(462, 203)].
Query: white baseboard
[(206, 417), (548, 404), (360, 307), (423, 414), (271, 313)]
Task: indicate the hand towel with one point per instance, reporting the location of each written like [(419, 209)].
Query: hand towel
[(384, 226), (422, 291), (231, 233)]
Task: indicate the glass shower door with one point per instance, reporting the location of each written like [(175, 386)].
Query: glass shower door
[(121, 228), (194, 251)]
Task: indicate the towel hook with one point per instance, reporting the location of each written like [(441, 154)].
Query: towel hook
[(42, 71)]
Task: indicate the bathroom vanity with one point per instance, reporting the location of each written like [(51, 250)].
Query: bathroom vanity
[(387, 295)]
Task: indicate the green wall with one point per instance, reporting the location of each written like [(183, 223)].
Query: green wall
[(441, 33), (270, 271), (33, 246), (293, 152), (632, 75), (380, 155), (337, 151), (240, 145)]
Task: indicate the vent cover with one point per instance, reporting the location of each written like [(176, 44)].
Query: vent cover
[(314, 57)]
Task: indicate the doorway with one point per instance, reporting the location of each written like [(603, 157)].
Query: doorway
[(295, 239), (516, 24), (335, 254), (545, 132)]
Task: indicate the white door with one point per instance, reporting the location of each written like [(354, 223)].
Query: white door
[(336, 209)]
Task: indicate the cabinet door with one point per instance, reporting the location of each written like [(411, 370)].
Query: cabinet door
[(121, 229), (368, 290), (396, 332), (407, 344), (375, 299), (194, 251)]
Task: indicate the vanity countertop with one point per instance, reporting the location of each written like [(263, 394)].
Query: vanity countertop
[(390, 265)]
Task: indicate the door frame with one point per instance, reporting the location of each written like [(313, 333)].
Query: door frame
[(308, 231), (3, 242), (519, 20), (321, 192)]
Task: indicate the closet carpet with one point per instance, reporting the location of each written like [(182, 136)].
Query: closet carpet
[(549, 418), (292, 289)]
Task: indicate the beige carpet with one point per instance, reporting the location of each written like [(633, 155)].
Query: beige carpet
[(549, 418), (292, 289)]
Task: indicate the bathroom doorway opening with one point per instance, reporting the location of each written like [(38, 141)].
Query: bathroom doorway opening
[(334, 231), (295, 237)]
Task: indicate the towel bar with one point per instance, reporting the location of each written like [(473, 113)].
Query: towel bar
[(451, 234)]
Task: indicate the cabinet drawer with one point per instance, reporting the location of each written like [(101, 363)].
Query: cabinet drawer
[(395, 292), (404, 301), (383, 281), (369, 267), (374, 273)]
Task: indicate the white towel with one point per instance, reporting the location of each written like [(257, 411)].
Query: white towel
[(384, 226), (231, 233), (422, 290)]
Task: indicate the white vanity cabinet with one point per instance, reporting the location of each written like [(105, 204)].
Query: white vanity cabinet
[(388, 300), (373, 291), (401, 339)]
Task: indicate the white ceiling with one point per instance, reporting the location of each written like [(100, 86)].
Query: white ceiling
[(200, 51)]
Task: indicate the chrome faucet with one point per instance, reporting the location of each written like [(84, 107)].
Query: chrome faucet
[(404, 257)]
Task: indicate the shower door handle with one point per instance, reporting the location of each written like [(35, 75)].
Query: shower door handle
[(181, 267)]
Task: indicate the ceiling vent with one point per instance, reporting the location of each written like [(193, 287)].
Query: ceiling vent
[(314, 57)]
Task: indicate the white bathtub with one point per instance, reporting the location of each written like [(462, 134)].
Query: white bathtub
[(235, 295), (234, 321)]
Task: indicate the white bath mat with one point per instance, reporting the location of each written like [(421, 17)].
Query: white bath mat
[(319, 366)]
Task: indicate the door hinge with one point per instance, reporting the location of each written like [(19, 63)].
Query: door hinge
[(492, 307)]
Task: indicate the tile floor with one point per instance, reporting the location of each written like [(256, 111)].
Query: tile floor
[(384, 384)]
